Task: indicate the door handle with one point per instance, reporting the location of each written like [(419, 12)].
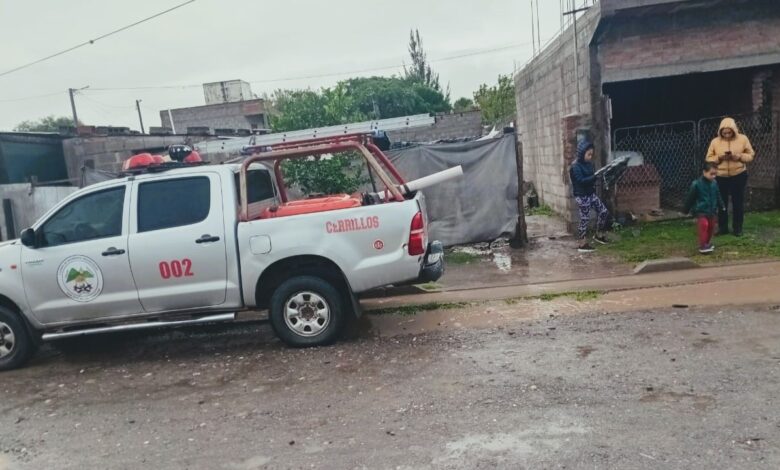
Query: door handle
[(207, 239), (113, 252)]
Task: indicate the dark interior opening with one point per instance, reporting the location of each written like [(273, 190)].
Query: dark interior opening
[(680, 98)]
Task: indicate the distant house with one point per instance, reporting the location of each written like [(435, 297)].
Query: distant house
[(230, 108)]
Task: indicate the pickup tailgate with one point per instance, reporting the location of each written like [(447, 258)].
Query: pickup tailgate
[(368, 243)]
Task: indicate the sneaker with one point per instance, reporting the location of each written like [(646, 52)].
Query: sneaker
[(586, 248), (601, 239), (707, 249), (737, 233)]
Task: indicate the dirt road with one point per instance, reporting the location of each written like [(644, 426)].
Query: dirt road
[(501, 385)]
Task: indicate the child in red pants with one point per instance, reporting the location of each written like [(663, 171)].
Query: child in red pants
[(703, 202)]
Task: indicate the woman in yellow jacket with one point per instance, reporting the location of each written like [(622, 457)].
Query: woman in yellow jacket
[(731, 151)]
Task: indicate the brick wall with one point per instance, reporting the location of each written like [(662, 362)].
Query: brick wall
[(237, 115), (678, 41), (546, 94), (448, 126)]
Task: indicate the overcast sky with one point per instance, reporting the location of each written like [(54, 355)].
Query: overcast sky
[(260, 41)]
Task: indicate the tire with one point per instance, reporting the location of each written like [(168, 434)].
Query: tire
[(316, 312), (16, 345)]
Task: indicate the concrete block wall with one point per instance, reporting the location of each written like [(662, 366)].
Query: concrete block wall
[(448, 126), (546, 93), (108, 153), (691, 40)]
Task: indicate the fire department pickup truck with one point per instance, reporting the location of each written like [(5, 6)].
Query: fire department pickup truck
[(176, 243)]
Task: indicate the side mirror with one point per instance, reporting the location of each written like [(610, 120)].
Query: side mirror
[(28, 237)]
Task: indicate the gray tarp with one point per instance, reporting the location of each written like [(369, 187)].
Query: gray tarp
[(480, 206)]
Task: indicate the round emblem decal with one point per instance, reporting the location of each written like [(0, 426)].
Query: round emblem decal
[(379, 244), (80, 278)]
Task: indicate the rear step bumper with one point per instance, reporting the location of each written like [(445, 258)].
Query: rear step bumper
[(138, 326), (433, 266)]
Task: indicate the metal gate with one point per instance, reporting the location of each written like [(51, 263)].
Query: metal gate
[(672, 154)]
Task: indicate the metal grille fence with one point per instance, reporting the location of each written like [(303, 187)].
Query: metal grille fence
[(669, 161), (671, 155)]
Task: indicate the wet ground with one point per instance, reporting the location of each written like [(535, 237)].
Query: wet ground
[(500, 385), (551, 256)]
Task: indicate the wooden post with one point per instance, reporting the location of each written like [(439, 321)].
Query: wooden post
[(521, 229)]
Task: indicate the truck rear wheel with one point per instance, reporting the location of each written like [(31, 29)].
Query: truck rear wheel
[(307, 311), (16, 346)]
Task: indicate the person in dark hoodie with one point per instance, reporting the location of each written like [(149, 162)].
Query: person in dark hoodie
[(583, 180), (704, 202)]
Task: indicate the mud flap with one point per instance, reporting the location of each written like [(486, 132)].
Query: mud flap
[(357, 309), (433, 266)]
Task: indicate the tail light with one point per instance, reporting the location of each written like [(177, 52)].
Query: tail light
[(417, 236)]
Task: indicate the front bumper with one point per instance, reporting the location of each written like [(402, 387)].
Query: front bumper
[(433, 265)]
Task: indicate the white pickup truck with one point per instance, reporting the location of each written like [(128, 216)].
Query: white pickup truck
[(176, 243)]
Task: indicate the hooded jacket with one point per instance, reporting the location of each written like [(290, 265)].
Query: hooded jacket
[(703, 198), (582, 173), (739, 146)]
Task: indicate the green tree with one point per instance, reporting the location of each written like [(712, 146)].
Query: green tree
[(304, 109), (46, 124), (463, 104), (389, 97), (420, 71), (497, 102), (352, 100)]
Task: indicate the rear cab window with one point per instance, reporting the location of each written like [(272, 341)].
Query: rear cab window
[(261, 192)]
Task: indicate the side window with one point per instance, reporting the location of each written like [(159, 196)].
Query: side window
[(96, 215), (173, 203), (259, 185)]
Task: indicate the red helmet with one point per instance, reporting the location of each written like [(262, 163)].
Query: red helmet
[(193, 157), (138, 161)]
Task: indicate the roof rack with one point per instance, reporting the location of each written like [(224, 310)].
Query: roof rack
[(238, 145)]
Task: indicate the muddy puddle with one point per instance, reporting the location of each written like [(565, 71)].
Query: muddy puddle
[(550, 256)]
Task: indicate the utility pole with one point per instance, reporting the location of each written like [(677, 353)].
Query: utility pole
[(576, 53), (71, 93), (533, 28), (140, 118)]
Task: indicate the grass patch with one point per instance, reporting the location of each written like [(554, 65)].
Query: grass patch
[(544, 209), (656, 240), (430, 286), (460, 257), (415, 309), (579, 296)]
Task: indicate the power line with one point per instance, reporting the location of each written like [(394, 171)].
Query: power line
[(105, 105), (92, 41), (326, 75), (32, 97), (284, 79)]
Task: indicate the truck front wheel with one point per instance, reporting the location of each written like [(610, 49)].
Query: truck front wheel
[(16, 346), (307, 311)]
